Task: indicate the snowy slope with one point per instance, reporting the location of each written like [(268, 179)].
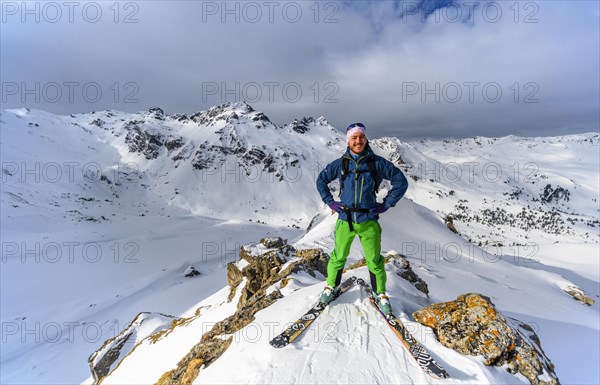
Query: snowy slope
[(497, 190), (189, 163), (102, 213), (83, 211), (350, 343)]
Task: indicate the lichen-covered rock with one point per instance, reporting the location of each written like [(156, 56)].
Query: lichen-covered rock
[(202, 354), (472, 325), (271, 243), (579, 295), (311, 261), (234, 278), (260, 267), (268, 262), (215, 342), (449, 221)]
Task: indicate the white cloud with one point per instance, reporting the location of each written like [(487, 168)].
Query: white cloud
[(359, 61)]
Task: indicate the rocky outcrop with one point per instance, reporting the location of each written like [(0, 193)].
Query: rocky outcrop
[(301, 126), (403, 269), (270, 261), (146, 143), (226, 112), (260, 266), (449, 221), (173, 144), (212, 155), (149, 141), (260, 117), (215, 342), (190, 272), (578, 295), (98, 122), (156, 113), (225, 141), (550, 194), (471, 325), (105, 359), (394, 152), (273, 243)]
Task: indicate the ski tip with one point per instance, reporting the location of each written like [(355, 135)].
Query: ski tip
[(439, 375), (279, 342)]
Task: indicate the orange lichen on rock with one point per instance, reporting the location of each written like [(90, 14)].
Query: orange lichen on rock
[(472, 325)]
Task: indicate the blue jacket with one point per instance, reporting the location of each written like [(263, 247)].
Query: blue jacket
[(358, 191)]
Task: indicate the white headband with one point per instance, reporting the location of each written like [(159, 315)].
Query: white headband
[(354, 130)]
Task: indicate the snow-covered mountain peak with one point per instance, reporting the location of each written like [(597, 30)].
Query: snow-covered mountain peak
[(231, 113), (230, 148)]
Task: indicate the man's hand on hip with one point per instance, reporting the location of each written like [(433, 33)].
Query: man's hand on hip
[(336, 206), (379, 208)]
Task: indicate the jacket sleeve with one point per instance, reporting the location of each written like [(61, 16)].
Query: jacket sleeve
[(398, 180), (326, 176)]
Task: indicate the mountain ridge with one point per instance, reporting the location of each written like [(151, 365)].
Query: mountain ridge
[(117, 220)]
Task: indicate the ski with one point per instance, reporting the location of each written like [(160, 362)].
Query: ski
[(297, 328), (421, 356)]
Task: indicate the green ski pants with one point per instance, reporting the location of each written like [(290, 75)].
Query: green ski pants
[(369, 233)]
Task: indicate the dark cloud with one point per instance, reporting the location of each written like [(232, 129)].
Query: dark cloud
[(405, 68)]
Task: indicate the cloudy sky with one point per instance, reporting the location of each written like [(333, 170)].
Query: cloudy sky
[(404, 68)]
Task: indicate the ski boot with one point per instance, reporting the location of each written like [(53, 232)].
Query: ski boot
[(327, 295), (383, 302)]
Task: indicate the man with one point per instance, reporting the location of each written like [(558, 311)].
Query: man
[(360, 172)]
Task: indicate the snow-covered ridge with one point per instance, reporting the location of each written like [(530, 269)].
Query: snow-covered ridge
[(268, 280), (114, 349), (233, 145), (197, 159), (512, 184), (104, 212)]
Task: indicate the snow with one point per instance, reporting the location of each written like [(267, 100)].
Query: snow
[(71, 280), (143, 326)]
